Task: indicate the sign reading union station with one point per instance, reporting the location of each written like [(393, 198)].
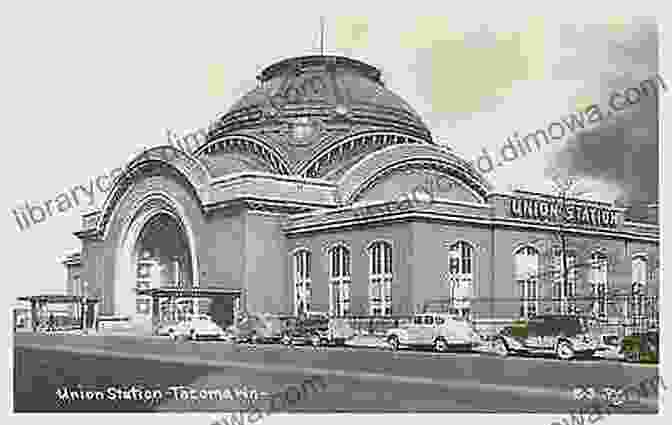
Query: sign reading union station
[(552, 210)]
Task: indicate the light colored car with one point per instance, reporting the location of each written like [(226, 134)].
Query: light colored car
[(198, 326), (562, 335), (438, 330)]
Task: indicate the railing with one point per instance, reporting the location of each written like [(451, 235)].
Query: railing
[(375, 325), (617, 311)]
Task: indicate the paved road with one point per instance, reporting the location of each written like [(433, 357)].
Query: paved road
[(357, 380)]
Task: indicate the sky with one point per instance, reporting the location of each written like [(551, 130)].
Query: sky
[(87, 86)]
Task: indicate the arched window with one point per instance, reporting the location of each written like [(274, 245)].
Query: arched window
[(639, 270), (564, 291), (339, 279), (461, 276), (302, 273), (598, 281), (77, 286), (527, 280), (380, 278)]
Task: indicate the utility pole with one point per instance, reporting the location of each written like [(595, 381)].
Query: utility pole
[(564, 185)]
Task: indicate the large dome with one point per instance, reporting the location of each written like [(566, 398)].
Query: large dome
[(304, 105)]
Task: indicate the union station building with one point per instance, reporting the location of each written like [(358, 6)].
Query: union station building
[(323, 191)]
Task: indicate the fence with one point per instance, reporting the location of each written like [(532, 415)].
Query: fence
[(622, 314), (375, 325)]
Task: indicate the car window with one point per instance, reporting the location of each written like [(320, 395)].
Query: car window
[(439, 320), (417, 320), (429, 320)]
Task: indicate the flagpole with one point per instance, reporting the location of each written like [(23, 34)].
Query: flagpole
[(322, 35)]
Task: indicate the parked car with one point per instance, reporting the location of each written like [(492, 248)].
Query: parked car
[(166, 328), (609, 346), (438, 330), (198, 326), (642, 347), (266, 328), (563, 335), (317, 330)]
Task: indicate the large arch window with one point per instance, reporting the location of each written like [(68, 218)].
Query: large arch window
[(339, 281), (598, 281), (527, 280), (302, 281), (461, 275), (380, 278), (564, 292)]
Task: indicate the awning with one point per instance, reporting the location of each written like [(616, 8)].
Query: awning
[(57, 298), (188, 292)]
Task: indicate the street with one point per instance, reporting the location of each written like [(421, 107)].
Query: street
[(357, 379)]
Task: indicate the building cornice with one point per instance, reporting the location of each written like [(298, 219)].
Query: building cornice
[(453, 218)]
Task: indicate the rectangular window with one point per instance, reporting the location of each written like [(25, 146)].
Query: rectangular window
[(598, 280), (142, 305), (564, 293)]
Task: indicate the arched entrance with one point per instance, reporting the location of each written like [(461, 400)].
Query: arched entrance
[(162, 259), (155, 251)]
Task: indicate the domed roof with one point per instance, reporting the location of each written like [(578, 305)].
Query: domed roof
[(303, 105)]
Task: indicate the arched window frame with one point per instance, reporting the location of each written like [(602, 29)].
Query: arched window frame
[(381, 274), (528, 284), (340, 279), (302, 279)]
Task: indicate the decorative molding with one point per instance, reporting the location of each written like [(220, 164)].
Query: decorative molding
[(353, 146), (246, 145), (427, 164), (451, 218), (188, 168)]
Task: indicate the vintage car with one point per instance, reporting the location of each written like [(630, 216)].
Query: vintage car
[(166, 328), (317, 330), (609, 346), (261, 328), (438, 330), (564, 336), (198, 326), (641, 347)]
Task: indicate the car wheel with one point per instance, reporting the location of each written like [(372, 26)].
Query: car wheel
[(393, 342), (440, 345), (315, 340), (564, 351), (501, 348)]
